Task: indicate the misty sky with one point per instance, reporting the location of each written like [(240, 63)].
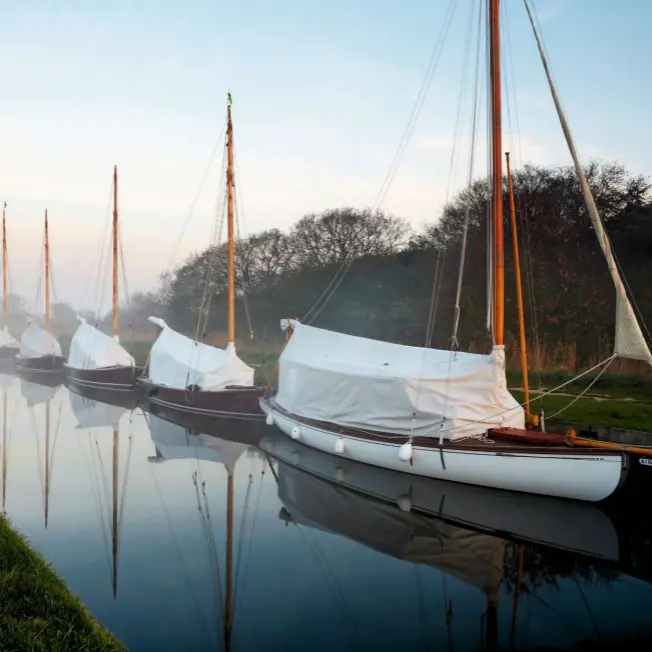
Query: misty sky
[(322, 93)]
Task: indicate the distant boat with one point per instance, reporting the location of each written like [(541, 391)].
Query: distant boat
[(97, 360), (189, 375), (40, 352), (448, 414), (9, 345)]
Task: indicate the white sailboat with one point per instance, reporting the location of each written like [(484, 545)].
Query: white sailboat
[(446, 414), (97, 360), (9, 345)]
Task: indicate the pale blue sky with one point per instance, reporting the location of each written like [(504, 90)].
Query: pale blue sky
[(322, 93)]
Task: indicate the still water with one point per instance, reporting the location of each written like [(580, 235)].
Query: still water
[(177, 539)]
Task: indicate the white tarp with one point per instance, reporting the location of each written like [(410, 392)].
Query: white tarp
[(177, 361), (90, 348), (34, 393), (36, 342), (93, 414), (175, 443), (7, 339), (371, 385)]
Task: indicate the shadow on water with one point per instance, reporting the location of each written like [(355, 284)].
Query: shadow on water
[(200, 534)]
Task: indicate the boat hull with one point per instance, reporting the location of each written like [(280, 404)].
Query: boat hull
[(579, 474), (232, 402), (45, 370), (108, 378), (9, 353)]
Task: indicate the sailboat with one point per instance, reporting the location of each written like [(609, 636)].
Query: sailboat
[(91, 414), (192, 376), (97, 360), (9, 346), (447, 414), (40, 352)]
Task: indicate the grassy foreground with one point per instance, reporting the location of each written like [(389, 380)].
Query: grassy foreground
[(37, 611)]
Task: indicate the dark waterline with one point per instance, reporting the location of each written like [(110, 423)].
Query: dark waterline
[(325, 555)]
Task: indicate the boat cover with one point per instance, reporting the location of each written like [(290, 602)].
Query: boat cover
[(90, 348), (94, 414), (174, 442), (36, 342), (7, 339), (35, 394), (177, 361), (371, 385)]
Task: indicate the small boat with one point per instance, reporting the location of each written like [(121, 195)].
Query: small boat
[(191, 376), (98, 360), (40, 352), (9, 345), (448, 414)]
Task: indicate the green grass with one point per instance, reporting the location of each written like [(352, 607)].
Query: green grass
[(37, 611), (609, 412)]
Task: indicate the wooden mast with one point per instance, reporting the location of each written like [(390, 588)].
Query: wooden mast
[(47, 461), (230, 210), (4, 265), (115, 251), (4, 448), (47, 274), (519, 289), (229, 563), (497, 199)]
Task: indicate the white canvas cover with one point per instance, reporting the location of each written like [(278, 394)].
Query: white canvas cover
[(371, 385), (7, 339), (94, 414), (177, 361), (36, 342), (173, 442), (90, 348)]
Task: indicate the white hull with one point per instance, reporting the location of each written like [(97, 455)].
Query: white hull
[(579, 476)]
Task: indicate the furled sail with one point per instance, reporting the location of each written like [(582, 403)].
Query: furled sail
[(90, 348), (179, 362), (371, 385), (36, 342), (7, 339), (173, 442), (629, 341)]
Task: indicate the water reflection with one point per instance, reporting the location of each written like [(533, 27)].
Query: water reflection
[(248, 540)]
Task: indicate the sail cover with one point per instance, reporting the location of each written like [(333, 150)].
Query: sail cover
[(93, 414), (177, 361), (7, 339), (35, 394), (371, 385), (37, 342), (173, 442), (90, 348)]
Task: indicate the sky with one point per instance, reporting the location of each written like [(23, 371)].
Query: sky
[(322, 93)]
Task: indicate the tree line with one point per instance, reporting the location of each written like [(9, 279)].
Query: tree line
[(382, 279)]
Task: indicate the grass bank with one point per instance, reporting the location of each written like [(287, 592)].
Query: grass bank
[(37, 611)]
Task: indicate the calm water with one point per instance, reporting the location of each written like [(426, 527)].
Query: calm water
[(134, 513)]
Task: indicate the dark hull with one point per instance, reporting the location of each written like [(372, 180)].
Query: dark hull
[(47, 370), (230, 402), (245, 430), (111, 378), (129, 400), (9, 353)]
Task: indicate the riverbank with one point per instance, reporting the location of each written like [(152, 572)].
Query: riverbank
[(37, 610)]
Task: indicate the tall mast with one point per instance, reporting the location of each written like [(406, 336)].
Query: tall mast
[(4, 265), (230, 185), (4, 447), (47, 461), (497, 173), (115, 251), (519, 288), (47, 274), (114, 528)]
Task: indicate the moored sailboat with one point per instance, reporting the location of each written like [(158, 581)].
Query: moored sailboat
[(189, 375), (97, 360), (9, 345), (446, 414), (40, 352)]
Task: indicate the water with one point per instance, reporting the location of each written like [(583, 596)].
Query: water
[(134, 513)]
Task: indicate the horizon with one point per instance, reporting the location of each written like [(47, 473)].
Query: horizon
[(321, 97)]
